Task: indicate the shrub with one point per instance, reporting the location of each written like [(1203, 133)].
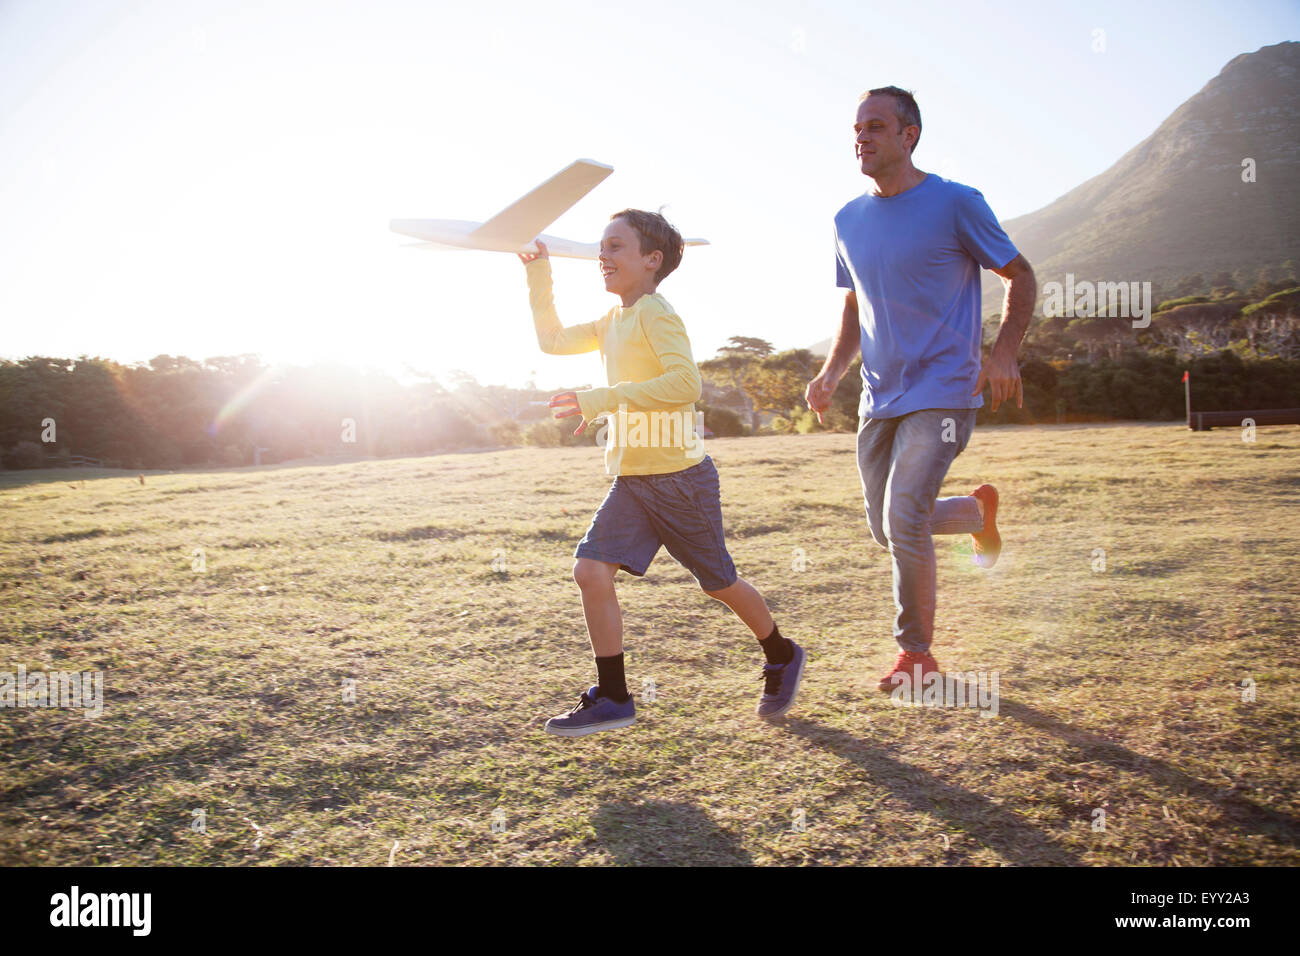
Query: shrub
[(559, 434), (448, 427), (507, 433), (542, 435), (1182, 300), (805, 421), (723, 422), (26, 454)]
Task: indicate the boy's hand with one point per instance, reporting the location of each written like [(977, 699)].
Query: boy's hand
[(541, 253), (565, 405)]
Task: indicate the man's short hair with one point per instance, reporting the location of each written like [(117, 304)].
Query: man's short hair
[(909, 114), (656, 232)]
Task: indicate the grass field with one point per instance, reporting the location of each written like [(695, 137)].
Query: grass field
[(442, 587)]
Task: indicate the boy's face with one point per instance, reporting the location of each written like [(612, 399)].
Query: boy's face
[(621, 262)]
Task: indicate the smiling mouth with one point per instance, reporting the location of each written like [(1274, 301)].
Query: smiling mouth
[(607, 271)]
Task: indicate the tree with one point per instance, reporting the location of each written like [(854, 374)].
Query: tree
[(736, 366), (1197, 327), (745, 345), (1101, 333), (734, 370), (1268, 279), (778, 382), (1189, 285), (1272, 327)]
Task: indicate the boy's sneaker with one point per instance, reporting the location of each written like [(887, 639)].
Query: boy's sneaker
[(988, 543), (592, 713), (912, 666), (781, 683)]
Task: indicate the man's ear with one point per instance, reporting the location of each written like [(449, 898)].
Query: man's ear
[(658, 257)]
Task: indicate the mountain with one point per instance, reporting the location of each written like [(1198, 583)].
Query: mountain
[(1175, 204)]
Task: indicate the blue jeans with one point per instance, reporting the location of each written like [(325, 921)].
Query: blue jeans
[(902, 462)]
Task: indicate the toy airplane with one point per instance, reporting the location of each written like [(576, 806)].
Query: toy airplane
[(516, 228)]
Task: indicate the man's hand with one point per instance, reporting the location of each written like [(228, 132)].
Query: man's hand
[(565, 405), (1002, 374), (541, 253), (848, 341), (819, 392), (1000, 369)]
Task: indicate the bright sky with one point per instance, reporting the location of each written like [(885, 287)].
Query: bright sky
[(214, 177)]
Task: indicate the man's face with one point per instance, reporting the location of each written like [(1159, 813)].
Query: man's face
[(880, 144), (621, 262)]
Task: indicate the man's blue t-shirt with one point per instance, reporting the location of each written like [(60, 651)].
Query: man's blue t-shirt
[(915, 260)]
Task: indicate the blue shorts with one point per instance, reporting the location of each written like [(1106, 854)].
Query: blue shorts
[(682, 511)]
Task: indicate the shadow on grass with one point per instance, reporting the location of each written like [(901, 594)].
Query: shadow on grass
[(20, 478), (74, 536), (191, 762), (659, 833), (995, 827), (1237, 811)]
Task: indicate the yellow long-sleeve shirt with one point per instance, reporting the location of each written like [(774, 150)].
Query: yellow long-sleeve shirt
[(653, 380)]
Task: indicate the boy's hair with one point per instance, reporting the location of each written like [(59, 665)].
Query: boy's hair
[(656, 232), (909, 114)]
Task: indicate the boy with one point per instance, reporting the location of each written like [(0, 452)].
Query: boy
[(664, 492)]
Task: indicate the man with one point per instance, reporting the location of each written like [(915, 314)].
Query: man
[(909, 253)]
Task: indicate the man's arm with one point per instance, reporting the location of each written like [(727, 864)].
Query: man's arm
[(999, 368), (848, 342)]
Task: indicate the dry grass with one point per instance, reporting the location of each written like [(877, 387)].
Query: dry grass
[(1119, 689)]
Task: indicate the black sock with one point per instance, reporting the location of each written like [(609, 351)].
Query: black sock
[(778, 649), (612, 682)]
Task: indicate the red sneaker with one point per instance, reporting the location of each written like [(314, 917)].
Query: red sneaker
[(906, 665), (988, 543)]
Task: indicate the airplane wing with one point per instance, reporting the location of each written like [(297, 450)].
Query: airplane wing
[(555, 246), (524, 219)]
